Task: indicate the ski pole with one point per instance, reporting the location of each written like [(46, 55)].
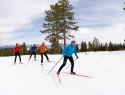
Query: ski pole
[(55, 65), (70, 64)]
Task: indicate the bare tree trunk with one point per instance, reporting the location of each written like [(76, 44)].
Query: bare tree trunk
[(64, 28), (64, 38), (58, 46)]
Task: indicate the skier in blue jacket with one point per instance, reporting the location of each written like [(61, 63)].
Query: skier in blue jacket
[(33, 49), (67, 53)]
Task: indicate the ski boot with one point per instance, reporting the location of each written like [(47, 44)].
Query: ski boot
[(73, 73)]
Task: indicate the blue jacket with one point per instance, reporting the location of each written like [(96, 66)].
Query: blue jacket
[(69, 50), (33, 49)]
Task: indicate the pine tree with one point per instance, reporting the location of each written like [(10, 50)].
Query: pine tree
[(53, 26), (115, 47), (124, 8), (123, 46), (24, 49), (30, 49), (110, 46), (67, 17), (61, 49), (85, 46), (3, 52), (9, 52), (77, 48), (96, 43), (54, 47), (101, 47), (90, 46), (82, 47), (106, 47)]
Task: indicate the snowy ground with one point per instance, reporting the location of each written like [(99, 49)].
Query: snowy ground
[(107, 70)]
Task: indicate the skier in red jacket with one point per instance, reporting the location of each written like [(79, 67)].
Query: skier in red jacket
[(17, 53)]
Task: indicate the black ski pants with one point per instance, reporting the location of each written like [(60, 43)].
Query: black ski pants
[(33, 53), (45, 56), (17, 54), (65, 61)]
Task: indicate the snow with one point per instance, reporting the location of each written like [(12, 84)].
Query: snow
[(107, 70)]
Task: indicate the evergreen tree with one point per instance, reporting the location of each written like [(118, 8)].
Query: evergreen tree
[(96, 43), (90, 46), (106, 47), (101, 48), (124, 8), (115, 47), (67, 17), (85, 47), (54, 47), (24, 49), (53, 24), (60, 22), (110, 46), (9, 52), (118, 46), (61, 49), (82, 47), (30, 49), (77, 48), (3, 52), (123, 46)]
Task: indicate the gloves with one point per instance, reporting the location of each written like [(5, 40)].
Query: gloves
[(77, 57), (63, 55)]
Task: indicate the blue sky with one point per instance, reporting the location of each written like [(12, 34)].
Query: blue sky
[(21, 20)]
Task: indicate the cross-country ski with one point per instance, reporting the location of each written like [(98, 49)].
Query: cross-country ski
[(78, 75), (58, 77)]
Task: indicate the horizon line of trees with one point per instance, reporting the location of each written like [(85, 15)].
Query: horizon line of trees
[(84, 47)]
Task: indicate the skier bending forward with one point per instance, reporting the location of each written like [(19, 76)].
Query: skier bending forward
[(67, 53)]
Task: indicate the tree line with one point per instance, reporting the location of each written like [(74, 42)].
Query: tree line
[(83, 47), (90, 46)]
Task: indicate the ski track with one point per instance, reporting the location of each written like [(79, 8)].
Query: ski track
[(107, 70)]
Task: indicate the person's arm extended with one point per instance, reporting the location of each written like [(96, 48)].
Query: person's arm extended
[(37, 48), (47, 48)]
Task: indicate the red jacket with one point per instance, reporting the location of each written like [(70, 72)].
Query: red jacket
[(17, 48)]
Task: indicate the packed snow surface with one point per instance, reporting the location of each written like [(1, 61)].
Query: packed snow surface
[(106, 71)]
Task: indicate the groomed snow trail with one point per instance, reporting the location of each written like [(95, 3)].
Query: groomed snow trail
[(107, 70)]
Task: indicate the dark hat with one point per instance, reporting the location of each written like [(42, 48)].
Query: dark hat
[(73, 41), (16, 43)]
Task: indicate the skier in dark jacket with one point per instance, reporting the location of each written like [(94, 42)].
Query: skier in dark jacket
[(33, 49), (17, 49), (67, 53)]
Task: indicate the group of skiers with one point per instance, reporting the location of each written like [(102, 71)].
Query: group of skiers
[(42, 48), (67, 54)]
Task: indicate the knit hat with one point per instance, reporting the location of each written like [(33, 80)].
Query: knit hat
[(43, 43), (73, 41)]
